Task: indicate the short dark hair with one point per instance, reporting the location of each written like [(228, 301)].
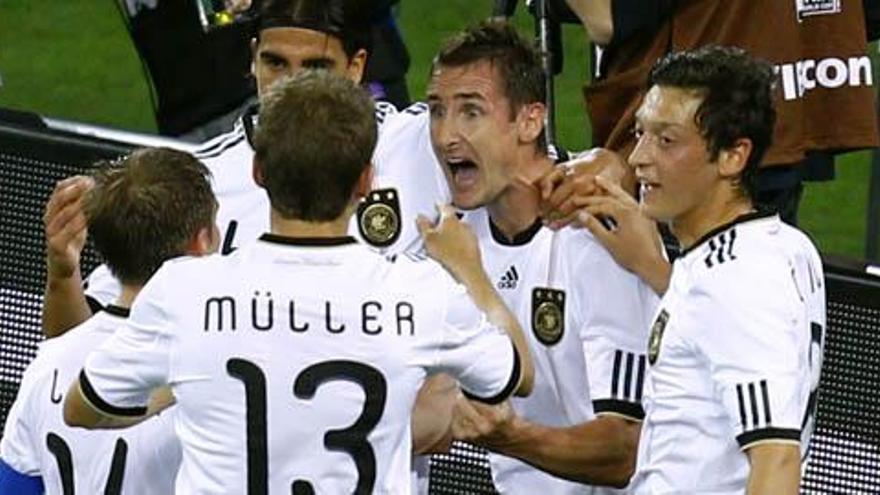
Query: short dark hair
[(347, 20), (737, 99), (517, 61), (146, 209), (316, 134)]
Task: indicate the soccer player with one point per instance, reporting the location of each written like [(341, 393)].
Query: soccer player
[(736, 345), (295, 360), (157, 204), (292, 34), (588, 316)]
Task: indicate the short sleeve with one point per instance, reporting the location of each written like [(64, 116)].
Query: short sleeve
[(19, 448), (102, 288), (118, 377), (756, 350), (480, 355), (617, 307)]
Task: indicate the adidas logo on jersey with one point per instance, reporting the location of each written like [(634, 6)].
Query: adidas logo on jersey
[(509, 279)]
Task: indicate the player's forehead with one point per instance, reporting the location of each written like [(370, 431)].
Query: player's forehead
[(669, 106), (480, 80), (300, 43)]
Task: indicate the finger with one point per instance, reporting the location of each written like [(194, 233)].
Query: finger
[(596, 227), (615, 191), (63, 217), (424, 225), (446, 211), (66, 192), (69, 231), (548, 182)]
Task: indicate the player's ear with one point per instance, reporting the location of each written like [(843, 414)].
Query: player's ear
[(733, 159), (257, 172), (254, 44), (356, 65), (206, 241), (530, 121), (365, 182)]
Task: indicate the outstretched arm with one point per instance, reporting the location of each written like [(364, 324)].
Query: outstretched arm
[(599, 452)]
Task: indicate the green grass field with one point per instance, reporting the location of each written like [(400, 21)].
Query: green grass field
[(73, 60)]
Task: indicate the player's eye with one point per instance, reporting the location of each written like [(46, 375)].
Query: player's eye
[(325, 64), (436, 111), (471, 111)]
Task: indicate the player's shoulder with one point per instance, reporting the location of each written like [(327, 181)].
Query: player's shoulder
[(418, 270), (747, 260), (216, 147), (393, 122)]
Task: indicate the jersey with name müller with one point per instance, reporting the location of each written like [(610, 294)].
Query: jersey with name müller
[(586, 321), (735, 353), (403, 160), (36, 441), (296, 362)]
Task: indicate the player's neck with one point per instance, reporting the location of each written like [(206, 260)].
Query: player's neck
[(720, 210), (518, 207), (126, 298), (299, 228)]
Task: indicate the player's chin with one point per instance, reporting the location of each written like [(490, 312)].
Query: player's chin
[(466, 201)]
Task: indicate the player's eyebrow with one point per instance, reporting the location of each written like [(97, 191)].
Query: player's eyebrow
[(469, 96), (319, 62)]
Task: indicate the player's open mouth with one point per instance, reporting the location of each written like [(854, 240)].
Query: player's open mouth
[(464, 172)]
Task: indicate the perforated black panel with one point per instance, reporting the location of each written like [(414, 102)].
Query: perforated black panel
[(31, 162), (845, 450)]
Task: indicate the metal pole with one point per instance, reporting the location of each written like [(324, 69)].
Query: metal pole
[(543, 24)]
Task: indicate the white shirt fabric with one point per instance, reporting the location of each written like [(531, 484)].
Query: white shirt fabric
[(403, 160), (37, 442), (274, 350), (606, 313), (738, 341)]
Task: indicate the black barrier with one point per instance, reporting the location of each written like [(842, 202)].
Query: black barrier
[(845, 455)]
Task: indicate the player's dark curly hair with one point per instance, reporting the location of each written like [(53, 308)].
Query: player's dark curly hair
[(737, 99), (147, 209), (348, 20), (316, 136), (517, 61)]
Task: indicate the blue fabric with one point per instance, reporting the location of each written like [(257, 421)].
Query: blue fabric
[(14, 483)]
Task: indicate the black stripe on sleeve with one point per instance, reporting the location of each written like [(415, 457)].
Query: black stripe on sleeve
[(753, 399), (102, 405), (631, 410), (615, 373), (627, 377), (640, 378), (766, 397), (742, 405), (745, 440), (508, 389)]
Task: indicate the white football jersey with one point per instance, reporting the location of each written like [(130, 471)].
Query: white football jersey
[(36, 441), (297, 361), (735, 352), (586, 320), (403, 160)]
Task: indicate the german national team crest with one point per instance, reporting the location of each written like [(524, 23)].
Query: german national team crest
[(379, 217), (657, 330), (810, 8), (548, 315)]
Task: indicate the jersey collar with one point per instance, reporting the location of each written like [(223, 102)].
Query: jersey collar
[(308, 241), (112, 309), (746, 217), (519, 239)]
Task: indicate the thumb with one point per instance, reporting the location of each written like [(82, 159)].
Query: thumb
[(445, 210), (423, 224)]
